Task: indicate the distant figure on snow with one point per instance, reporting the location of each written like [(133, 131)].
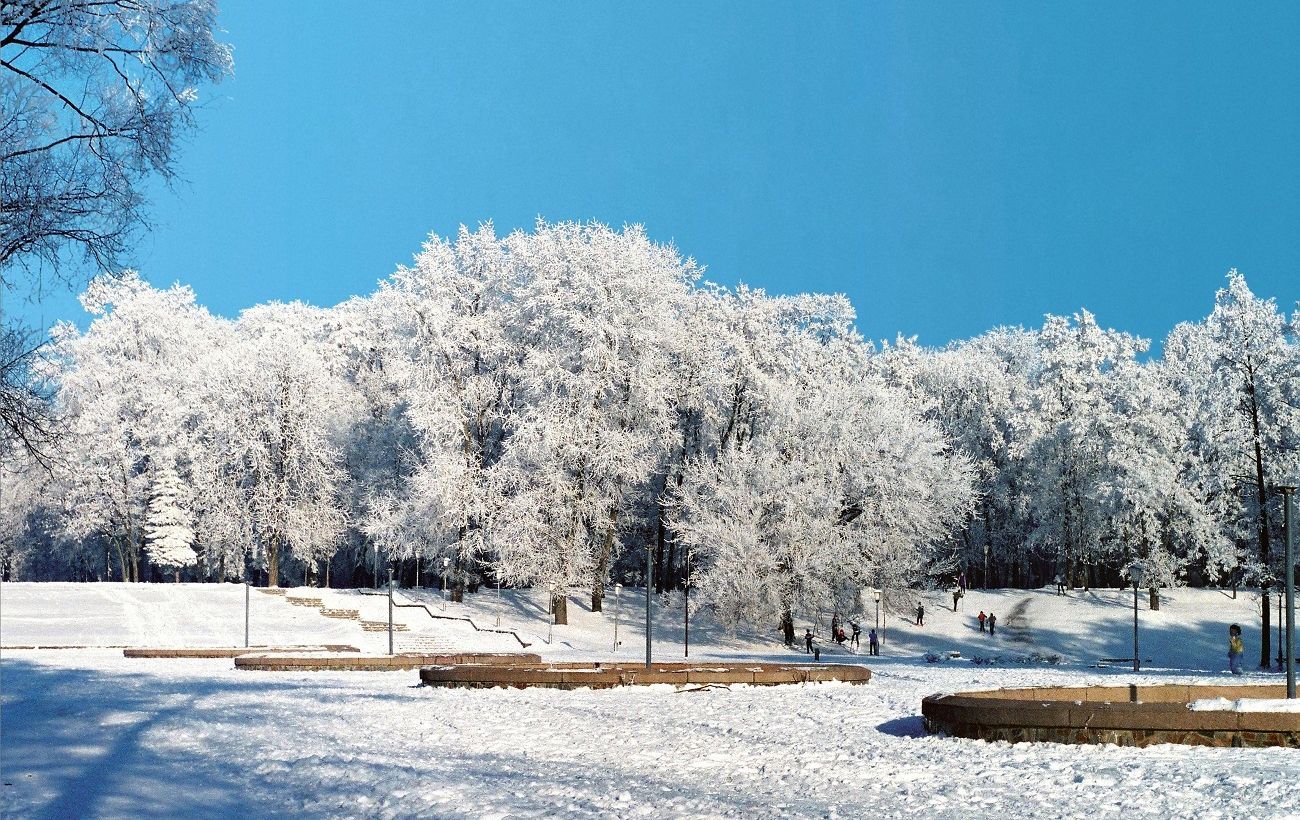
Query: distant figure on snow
[(920, 614), (1235, 649), (1060, 585), (982, 619), (840, 637), (807, 641), (873, 642), (956, 598), (857, 633), (993, 623), (835, 625), (961, 582)]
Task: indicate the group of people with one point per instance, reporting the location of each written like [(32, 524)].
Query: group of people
[(990, 620), (843, 637)]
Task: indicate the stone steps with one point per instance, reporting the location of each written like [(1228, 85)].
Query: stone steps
[(312, 602), (270, 590), (382, 626), (342, 614), (424, 644)]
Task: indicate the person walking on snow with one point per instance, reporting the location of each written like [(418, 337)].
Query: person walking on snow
[(982, 619), (993, 623), (1235, 649), (857, 633), (1060, 586), (956, 597), (920, 614), (873, 643), (961, 582), (807, 641)]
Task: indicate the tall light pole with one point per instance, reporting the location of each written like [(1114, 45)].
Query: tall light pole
[(445, 562), (1288, 490), (390, 610), (876, 595), (246, 596), (1135, 572), (617, 589), (649, 579), (686, 607)]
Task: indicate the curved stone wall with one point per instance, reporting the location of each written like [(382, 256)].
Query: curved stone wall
[(1123, 715), (607, 675)]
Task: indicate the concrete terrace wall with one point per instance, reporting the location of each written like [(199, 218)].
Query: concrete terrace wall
[(604, 676), (306, 662), (1122, 715)]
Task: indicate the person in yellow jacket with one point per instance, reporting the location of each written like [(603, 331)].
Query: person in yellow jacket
[(1235, 649)]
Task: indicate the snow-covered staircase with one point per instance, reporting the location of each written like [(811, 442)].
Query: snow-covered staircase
[(382, 626), (423, 643)]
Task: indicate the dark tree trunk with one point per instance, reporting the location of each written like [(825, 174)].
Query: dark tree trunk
[(560, 608), (1265, 550), (787, 626), (273, 562)]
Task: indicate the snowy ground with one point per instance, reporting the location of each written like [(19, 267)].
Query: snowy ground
[(86, 732)]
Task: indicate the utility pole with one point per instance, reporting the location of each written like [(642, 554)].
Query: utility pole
[(390, 610)]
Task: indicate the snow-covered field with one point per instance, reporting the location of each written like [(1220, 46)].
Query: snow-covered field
[(86, 732)]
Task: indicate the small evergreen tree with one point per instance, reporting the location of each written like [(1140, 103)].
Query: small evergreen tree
[(169, 538)]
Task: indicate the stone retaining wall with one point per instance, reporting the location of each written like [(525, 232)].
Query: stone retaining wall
[(372, 663), (1123, 715), (227, 651), (604, 676)]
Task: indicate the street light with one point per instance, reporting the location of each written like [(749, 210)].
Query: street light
[(1135, 572), (876, 595), (649, 579), (445, 562), (390, 610), (617, 589), (1288, 490)]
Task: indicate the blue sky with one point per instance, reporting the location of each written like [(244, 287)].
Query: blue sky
[(949, 166)]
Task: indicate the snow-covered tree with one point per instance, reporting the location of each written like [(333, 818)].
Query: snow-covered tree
[(595, 308), (169, 538), (293, 410)]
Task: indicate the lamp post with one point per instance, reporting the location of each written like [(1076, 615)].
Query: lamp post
[(445, 563), (1135, 572), (1288, 490), (686, 608), (246, 596), (617, 589), (876, 594), (649, 579), (390, 610)]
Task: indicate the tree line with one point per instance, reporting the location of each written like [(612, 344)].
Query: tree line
[(542, 408)]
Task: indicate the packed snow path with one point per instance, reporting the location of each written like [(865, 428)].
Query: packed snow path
[(1017, 623)]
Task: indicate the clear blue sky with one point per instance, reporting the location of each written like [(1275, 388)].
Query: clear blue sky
[(949, 166)]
